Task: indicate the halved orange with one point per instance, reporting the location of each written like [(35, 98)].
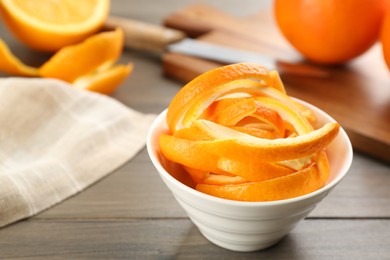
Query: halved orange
[(48, 25)]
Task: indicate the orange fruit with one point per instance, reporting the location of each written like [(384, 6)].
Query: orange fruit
[(48, 25), (385, 39), (74, 61), (330, 31), (239, 136), (12, 65)]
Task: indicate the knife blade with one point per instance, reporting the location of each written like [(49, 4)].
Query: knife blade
[(149, 37)]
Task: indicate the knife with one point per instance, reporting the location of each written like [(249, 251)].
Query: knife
[(148, 37)]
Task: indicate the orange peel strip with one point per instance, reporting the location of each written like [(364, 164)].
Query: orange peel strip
[(235, 112), (198, 105), (191, 154), (284, 98), (217, 179), (208, 81), (195, 107), (256, 132), (199, 176), (231, 114), (216, 107), (285, 187), (96, 51), (106, 81), (12, 65), (297, 120), (242, 147), (253, 171), (187, 153)]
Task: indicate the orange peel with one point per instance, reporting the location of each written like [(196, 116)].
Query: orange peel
[(239, 146), (106, 81), (98, 51), (285, 187), (9, 63), (208, 81), (239, 136)]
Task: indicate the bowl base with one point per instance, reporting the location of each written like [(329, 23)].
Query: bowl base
[(250, 247)]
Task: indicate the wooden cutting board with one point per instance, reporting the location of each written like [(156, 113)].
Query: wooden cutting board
[(357, 95)]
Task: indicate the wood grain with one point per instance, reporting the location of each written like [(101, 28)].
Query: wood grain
[(136, 191), (130, 214), (179, 239), (357, 94)]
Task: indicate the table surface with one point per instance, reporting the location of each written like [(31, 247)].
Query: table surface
[(131, 214)]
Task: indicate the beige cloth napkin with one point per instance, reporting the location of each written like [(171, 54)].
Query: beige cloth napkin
[(56, 140)]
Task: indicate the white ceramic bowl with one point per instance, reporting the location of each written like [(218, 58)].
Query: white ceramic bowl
[(249, 226)]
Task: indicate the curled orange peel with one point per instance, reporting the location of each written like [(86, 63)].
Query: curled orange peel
[(239, 136), (240, 146), (10, 64), (285, 187), (74, 61), (88, 65)]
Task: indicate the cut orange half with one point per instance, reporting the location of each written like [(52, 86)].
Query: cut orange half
[(48, 25)]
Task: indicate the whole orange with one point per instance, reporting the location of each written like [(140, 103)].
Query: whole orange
[(330, 31), (385, 39)]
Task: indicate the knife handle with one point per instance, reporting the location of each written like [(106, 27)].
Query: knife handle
[(144, 36)]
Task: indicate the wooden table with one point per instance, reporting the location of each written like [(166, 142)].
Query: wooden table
[(131, 214)]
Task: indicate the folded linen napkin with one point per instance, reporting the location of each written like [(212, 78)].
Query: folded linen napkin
[(56, 140)]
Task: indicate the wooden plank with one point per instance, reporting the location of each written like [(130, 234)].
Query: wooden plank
[(136, 191), (355, 94), (179, 238)]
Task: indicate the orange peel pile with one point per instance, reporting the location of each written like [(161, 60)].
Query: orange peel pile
[(82, 56), (87, 65), (239, 136)]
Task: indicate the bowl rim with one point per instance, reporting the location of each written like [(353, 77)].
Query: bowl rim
[(161, 170)]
